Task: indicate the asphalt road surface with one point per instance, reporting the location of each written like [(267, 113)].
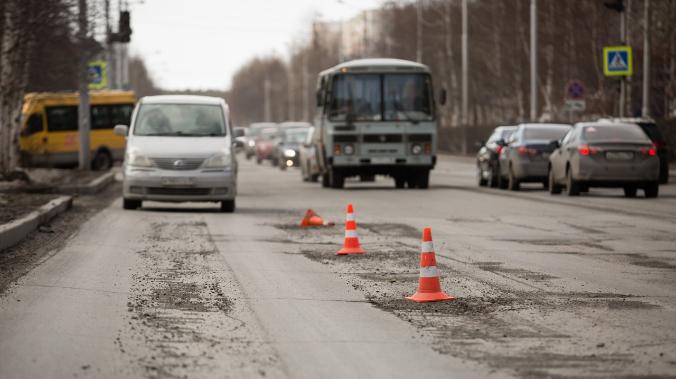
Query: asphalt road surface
[(545, 287)]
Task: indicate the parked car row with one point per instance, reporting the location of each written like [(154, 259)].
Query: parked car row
[(621, 153)]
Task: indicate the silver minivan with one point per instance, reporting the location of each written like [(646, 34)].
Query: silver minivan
[(179, 148)]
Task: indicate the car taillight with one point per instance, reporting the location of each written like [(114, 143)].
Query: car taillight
[(649, 151), (586, 150), (524, 151)]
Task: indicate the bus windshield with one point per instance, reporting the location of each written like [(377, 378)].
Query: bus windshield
[(387, 97)]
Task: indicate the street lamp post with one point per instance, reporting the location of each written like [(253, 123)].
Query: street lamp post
[(645, 108), (533, 60)]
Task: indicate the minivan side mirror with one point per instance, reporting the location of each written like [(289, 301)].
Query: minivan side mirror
[(555, 144), (237, 132), (121, 130), (442, 96)]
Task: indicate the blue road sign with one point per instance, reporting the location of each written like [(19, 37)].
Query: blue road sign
[(575, 90), (98, 77), (617, 61)]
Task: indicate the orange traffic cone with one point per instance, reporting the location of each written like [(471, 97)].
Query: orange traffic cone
[(351, 244), (313, 219), (429, 288)]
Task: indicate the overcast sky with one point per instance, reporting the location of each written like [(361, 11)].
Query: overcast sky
[(199, 44)]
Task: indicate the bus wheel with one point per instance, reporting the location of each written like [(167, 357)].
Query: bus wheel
[(423, 179), (336, 178), (102, 161), (399, 181)]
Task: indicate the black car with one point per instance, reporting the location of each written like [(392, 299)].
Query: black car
[(653, 132), (487, 157), (288, 148)]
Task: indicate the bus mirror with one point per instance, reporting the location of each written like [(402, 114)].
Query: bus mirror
[(442, 96), (121, 130)]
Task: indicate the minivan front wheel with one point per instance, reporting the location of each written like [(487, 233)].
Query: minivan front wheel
[(131, 204), (228, 206)]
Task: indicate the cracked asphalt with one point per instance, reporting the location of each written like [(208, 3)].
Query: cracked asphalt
[(546, 287)]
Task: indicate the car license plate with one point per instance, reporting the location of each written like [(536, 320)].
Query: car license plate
[(619, 155), (177, 181), (382, 160)]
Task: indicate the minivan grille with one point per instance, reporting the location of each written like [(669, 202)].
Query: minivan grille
[(178, 191), (178, 163)]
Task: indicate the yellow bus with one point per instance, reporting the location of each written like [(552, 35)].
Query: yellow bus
[(49, 135)]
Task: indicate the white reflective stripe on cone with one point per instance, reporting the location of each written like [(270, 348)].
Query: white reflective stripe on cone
[(349, 217), (351, 233), (427, 247), (429, 272)]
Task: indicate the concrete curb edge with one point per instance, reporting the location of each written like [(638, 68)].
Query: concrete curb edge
[(15, 231)]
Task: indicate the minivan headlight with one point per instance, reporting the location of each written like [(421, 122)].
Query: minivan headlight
[(138, 160), (219, 160)]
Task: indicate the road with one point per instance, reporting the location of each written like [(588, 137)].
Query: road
[(545, 287)]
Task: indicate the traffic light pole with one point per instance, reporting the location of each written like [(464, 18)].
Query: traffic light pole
[(83, 88)]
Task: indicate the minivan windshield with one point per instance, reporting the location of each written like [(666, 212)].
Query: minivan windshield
[(180, 120), (381, 97)]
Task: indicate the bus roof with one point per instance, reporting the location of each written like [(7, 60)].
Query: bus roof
[(35, 96), (377, 65)]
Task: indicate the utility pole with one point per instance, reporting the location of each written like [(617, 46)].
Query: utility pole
[(266, 100), (533, 60), (645, 108), (83, 87), (623, 80), (465, 69), (304, 83), (419, 32)]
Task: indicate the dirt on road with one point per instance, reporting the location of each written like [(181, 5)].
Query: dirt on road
[(535, 328)]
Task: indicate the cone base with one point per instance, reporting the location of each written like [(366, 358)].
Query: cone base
[(350, 250), (425, 297)]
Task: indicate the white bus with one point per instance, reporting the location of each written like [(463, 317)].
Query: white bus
[(376, 117)]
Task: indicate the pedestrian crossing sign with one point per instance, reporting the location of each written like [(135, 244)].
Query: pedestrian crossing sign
[(617, 61), (97, 75)]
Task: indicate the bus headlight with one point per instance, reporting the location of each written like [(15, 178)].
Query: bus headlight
[(289, 153), (348, 149), (416, 149)]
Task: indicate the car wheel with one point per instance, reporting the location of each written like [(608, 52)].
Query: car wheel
[(572, 186), (131, 204), (492, 180), (314, 178), (502, 182), (228, 206), (481, 181), (513, 183), (336, 179), (400, 181), (630, 191), (258, 160), (554, 188), (102, 161), (652, 190)]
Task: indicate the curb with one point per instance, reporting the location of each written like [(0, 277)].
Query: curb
[(92, 187), (13, 232)]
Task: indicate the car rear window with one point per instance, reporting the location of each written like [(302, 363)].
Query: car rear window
[(548, 133), (652, 131), (614, 133)]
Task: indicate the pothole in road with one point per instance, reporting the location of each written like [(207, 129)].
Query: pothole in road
[(497, 267)]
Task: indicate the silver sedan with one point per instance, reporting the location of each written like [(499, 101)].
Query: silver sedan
[(602, 154)]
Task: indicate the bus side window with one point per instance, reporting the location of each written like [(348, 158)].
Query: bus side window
[(62, 119), (33, 125), (121, 114), (101, 117)]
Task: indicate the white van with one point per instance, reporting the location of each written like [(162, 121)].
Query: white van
[(179, 148)]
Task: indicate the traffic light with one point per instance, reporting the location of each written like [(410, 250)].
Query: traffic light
[(617, 5), (123, 29)]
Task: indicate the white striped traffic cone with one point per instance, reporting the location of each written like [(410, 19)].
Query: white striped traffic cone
[(351, 244), (429, 287)]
